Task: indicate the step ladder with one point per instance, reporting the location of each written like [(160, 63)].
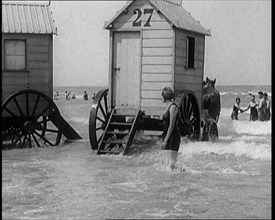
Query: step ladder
[(119, 133)]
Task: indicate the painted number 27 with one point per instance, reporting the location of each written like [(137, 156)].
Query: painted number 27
[(137, 22)]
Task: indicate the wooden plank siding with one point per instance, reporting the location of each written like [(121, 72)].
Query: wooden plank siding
[(163, 56), (189, 79), (157, 69), (39, 67), (156, 53)]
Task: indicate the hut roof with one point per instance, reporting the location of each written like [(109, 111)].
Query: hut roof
[(27, 18), (174, 13)]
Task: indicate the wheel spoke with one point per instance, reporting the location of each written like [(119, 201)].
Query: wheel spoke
[(105, 102), (36, 141), (99, 128), (24, 140), (188, 104), (48, 107), (30, 141), (27, 104), (193, 120), (100, 119), (20, 110), (51, 130), (42, 137), (188, 107), (44, 120), (35, 105), (18, 139), (190, 111), (104, 114), (99, 139), (9, 111), (6, 134)]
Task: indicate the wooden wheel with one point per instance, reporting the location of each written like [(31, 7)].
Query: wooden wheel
[(30, 118), (99, 116), (189, 115)]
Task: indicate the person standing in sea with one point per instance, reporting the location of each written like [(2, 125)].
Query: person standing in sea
[(261, 107), (236, 109), (171, 133), (85, 96), (267, 109), (253, 110)]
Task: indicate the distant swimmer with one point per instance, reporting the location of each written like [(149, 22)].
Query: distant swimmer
[(267, 109), (236, 109), (67, 95), (85, 96), (73, 96), (253, 110), (55, 95), (93, 97), (262, 107)]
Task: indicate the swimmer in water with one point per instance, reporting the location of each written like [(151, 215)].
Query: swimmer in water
[(85, 96), (253, 110), (236, 109)]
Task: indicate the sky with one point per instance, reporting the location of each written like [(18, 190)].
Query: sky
[(237, 53)]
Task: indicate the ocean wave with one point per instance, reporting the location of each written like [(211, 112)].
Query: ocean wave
[(237, 148), (252, 127), (225, 93)]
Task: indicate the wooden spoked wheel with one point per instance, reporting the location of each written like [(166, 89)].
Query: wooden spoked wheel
[(99, 116), (30, 118), (189, 116)]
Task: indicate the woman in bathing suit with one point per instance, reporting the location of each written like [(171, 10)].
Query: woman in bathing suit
[(171, 132), (253, 110), (236, 109)]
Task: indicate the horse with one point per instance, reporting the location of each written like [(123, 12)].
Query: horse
[(211, 99), (211, 106)]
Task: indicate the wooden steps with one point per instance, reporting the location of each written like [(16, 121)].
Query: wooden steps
[(119, 133)]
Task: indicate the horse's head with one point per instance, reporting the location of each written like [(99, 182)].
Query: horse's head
[(210, 83)]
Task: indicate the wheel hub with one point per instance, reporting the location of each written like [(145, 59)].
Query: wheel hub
[(29, 127)]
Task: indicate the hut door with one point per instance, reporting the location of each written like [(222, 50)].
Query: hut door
[(126, 70)]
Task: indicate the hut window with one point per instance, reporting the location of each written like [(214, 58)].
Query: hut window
[(190, 52), (15, 54)]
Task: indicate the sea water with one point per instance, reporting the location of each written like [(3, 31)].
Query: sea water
[(227, 179)]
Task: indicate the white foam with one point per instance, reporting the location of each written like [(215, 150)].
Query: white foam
[(252, 127), (225, 93), (237, 148)]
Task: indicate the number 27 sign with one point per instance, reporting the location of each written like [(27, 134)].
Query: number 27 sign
[(138, 12)]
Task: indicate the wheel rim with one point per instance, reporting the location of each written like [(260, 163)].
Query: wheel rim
[(189, 116), (98, 119), (30, 119)]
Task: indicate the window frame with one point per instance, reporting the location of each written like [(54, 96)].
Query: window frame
[(15, 70), (187, 52)]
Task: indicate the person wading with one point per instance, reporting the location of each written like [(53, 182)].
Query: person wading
[(267, 109), (253, 110), (236, 109), (171, 132), (262, 107)]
